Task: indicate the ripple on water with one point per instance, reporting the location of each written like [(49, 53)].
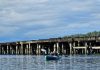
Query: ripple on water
[(76, 62)]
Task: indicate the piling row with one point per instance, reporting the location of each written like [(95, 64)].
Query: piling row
[(69, 46)]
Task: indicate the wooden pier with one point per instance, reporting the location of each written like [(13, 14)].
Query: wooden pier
[(68, 46)]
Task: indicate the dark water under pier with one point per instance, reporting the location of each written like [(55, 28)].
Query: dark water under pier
[(28, 62)]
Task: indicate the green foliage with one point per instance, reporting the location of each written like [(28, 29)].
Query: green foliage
[(90, 34)]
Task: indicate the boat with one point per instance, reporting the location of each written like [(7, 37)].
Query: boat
[(52, 57)]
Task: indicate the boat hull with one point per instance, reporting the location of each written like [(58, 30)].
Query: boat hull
[(49, 57)]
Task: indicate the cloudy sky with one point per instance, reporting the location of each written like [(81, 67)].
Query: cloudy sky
[(42, 19)]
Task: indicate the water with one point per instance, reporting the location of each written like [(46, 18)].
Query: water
[(76, 62)]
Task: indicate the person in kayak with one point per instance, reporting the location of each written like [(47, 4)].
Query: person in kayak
[(54, 53)]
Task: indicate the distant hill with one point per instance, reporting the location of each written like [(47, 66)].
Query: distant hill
[(90, 34)]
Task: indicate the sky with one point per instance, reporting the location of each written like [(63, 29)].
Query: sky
[(43, 19)]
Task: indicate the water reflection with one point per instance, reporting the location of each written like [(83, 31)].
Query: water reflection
[(84, 62), (72, 62)]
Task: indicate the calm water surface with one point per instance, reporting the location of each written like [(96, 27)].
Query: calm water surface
[(76, 62)]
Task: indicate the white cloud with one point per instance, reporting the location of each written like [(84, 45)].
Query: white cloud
[(47, 17), (58, 30), (96, 15), (7, 31)]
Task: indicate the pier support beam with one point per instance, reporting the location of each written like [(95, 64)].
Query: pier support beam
[(90, 48), (2, 50), (7, 49), (21, 49), (54, 48), (38, 49), (10, 49), (70, 45), (57, 47), (29, 49), (74, 52), (86, 47), (26, 50), (62, 51), (16, 49)]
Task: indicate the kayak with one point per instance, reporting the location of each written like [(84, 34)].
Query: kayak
[(52, 57)]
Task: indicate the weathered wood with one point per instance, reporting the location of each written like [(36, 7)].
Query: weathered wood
[(67, 45)]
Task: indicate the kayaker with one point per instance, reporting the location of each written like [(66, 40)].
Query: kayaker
[(54, 53)]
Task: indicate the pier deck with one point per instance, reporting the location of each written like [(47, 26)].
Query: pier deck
[(83, 45)]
